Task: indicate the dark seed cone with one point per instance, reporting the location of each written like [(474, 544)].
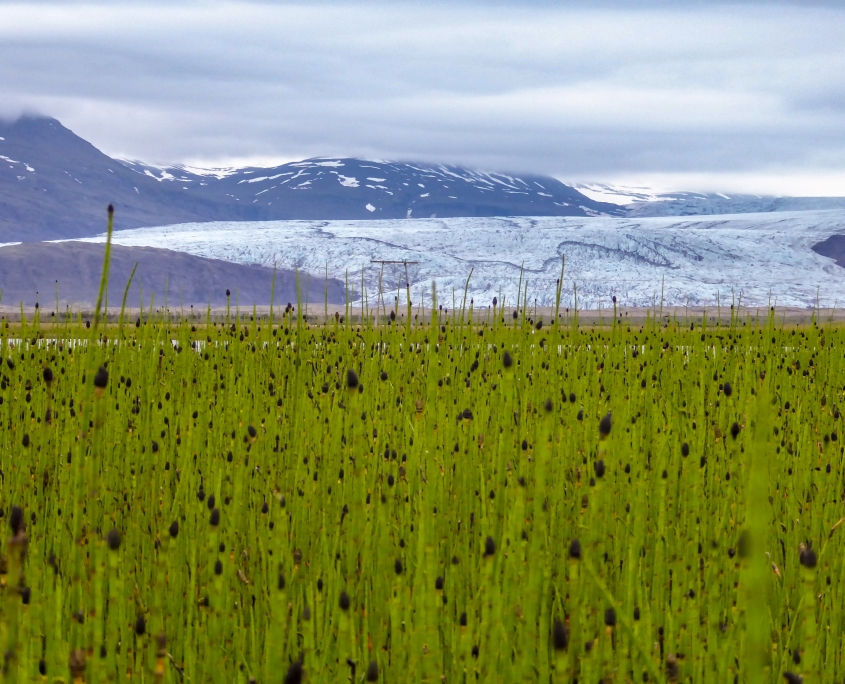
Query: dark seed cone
[(351, 379), (101, 379), (344, 601), (252, 431), (793, 678), (727, 389), (215, 517), (560, 638), (604, 426), (16, 520), (672, 668), (76, 663), (397, 567), (113, 539), (575, 549), (684, 449), (489, 547), (294, 673), (48, 375), (141, 625), (610, 617), (735, 430), (174, 529), (808, 557), (372, 671), (507, 359), (599, 467)]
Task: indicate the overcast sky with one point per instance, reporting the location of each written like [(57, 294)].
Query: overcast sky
[(746, 96)]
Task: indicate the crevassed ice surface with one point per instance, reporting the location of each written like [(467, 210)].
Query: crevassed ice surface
[(761, 258)]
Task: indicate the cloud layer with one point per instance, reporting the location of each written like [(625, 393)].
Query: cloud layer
[(742, 96)]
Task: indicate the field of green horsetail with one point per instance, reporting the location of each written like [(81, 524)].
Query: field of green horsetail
[(511, 500)]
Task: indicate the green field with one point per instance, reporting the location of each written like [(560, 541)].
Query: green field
[(399, 503)]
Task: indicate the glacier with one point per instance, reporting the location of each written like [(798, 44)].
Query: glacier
[(752, 259)]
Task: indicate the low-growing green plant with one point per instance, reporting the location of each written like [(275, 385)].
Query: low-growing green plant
[(433, 500)]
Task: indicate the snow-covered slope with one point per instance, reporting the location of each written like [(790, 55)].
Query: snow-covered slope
[(642, 201), (697, 204), (752, 255), (617, 194)]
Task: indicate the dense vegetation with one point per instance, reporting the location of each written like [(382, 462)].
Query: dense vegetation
[(502, 501)]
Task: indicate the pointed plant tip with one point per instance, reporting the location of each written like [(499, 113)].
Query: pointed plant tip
[(111, 210)]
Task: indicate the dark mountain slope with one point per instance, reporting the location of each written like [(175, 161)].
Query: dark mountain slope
[(54, 184), (343, 188), (75, 268)]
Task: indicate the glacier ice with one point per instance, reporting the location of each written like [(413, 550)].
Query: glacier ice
[(759, 258)]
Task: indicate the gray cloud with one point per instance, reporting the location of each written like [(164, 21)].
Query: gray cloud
[(589, 90)]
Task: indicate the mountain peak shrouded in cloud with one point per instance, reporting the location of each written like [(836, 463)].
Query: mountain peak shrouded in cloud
[(54, 185)]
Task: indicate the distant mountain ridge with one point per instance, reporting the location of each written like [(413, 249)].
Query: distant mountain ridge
[(643, 202), (330, 188), (55, 185)]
